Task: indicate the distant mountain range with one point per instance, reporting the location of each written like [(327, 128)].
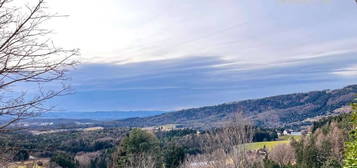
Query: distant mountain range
[(99, 115), (293, 110)]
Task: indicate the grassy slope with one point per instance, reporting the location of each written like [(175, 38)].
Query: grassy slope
[(271, 144)]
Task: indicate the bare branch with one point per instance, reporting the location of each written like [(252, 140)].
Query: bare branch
[(28, 58), (224, 147)]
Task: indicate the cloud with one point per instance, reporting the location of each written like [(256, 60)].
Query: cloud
[(196, 81), (347, 72), (128, 31), (159, 54)]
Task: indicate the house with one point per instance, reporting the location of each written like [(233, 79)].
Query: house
[(285, 132)]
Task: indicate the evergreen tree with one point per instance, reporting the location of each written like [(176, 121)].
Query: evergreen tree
[(350, 160), (173, 156), (64, 160), (138, 148)]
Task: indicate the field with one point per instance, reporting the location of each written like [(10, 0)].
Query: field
[(271, 144)]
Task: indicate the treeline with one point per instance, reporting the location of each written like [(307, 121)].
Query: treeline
[(261, 135), (331, 144), (324, 148)]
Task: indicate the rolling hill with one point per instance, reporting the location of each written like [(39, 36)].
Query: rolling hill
[(291, 110)]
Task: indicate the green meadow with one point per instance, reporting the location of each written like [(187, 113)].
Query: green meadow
[(271, 144)]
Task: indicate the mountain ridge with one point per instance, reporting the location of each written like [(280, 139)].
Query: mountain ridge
[(273, 111)]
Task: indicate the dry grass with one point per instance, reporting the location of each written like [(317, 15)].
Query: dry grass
[(29, 164)]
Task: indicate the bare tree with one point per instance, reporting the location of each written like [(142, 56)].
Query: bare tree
[(137, 160), (283, 154), (142, 160), (224, 147), (28, 59), (6, 154)]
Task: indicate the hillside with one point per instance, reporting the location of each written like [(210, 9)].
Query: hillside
[(285, 110)]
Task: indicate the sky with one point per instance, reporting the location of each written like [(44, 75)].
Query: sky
[(175, 54)]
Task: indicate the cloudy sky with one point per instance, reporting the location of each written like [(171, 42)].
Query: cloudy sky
[(173, 54)]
